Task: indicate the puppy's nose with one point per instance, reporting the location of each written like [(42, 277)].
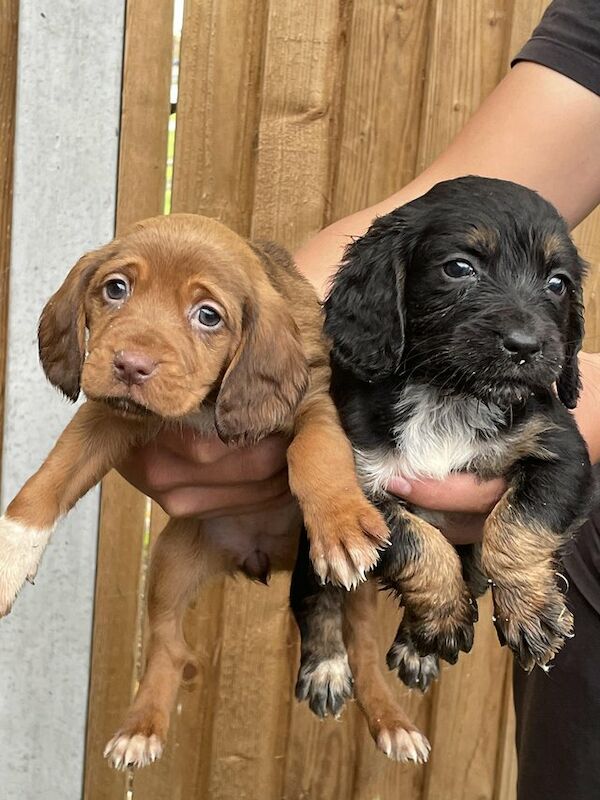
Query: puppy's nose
[(133, 368), (522, 346)]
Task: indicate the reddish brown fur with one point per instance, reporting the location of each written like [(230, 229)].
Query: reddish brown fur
[(265, 370)]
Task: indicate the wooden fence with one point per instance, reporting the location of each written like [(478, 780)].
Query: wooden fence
[(289, 115)]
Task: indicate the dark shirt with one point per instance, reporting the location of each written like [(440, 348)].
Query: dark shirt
[(567, 40)]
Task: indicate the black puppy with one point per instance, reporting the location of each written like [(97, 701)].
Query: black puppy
[(455, 324)]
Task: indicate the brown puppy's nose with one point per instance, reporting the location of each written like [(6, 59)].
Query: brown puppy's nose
[(133, 368)]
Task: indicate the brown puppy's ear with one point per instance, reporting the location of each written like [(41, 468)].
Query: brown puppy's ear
[(268, 374), (61, 330)]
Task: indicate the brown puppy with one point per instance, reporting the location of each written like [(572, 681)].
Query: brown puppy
[(182, 321)]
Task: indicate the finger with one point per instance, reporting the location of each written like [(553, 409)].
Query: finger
[(154, 470), (188, 444), (459, 492), (206, 502)]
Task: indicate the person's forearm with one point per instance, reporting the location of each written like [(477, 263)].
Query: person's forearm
[(537, 128)]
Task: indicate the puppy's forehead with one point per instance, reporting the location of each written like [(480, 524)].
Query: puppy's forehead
[(186, 246), (492, 217)]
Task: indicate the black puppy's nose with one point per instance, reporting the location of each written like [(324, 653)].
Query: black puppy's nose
[(521, 345), (133, 368)]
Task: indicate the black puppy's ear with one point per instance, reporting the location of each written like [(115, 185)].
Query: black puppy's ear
[(365, 316), (568, 384)]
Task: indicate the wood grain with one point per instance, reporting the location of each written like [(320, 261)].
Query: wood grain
[(8, 84), (468, 710), (300, 89), (141, 181), (218, 108), (506, 769), (587, 238), (383, 84), (466, 45)]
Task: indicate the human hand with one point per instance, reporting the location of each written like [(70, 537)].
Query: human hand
[(192, 475), (465, 501)]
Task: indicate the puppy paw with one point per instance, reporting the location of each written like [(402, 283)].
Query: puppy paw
[(535, 635), (125, 751), (446, 631), (402, 745), (21, 549), (345, 540), (415, 671), (326, 684)]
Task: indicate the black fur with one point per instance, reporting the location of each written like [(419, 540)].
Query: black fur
[(397, 318)]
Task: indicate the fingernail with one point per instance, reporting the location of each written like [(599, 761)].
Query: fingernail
[(399, 485)]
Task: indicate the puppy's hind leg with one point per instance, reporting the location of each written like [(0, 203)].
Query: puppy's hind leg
[(390, 727), (324, 678), (181, 561)]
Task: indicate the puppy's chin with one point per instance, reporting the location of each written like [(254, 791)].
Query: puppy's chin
[(145, 401), (128, 408), (514, 389), (505, 395)]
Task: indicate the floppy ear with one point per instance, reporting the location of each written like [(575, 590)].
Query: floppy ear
[(268, 374), (365, 316), (568, 384), (61, 330)]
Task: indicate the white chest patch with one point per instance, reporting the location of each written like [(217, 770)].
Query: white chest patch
[(436, 434)]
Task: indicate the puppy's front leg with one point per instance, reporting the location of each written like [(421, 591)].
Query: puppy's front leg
[(545, 503), (93, 442), (346, 532), (423, 568)]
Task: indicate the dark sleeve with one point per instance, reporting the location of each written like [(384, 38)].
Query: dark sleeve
[(567, 40)]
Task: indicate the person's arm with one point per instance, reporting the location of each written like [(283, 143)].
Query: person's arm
[(537, 128)]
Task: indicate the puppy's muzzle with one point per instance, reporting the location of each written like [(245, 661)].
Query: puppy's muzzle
[(133, 369)]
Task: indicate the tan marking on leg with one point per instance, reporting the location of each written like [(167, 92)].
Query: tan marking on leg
[(519, 558), (345, 531), (433, 590)]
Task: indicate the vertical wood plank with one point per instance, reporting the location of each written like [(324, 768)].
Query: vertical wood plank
[(218, 108), (141, 184), (382, 97), (8, 88), (468, 710), (587, 238), (506, 772), (467, 42), (300, 89), (65, 166)]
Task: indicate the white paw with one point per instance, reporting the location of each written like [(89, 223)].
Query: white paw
[(124, 751), (325, 685), (402, 745), (21, 549)]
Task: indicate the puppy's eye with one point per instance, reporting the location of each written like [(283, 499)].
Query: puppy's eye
[(557, 285), (116, 290), (458, 269), (207, 316)]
